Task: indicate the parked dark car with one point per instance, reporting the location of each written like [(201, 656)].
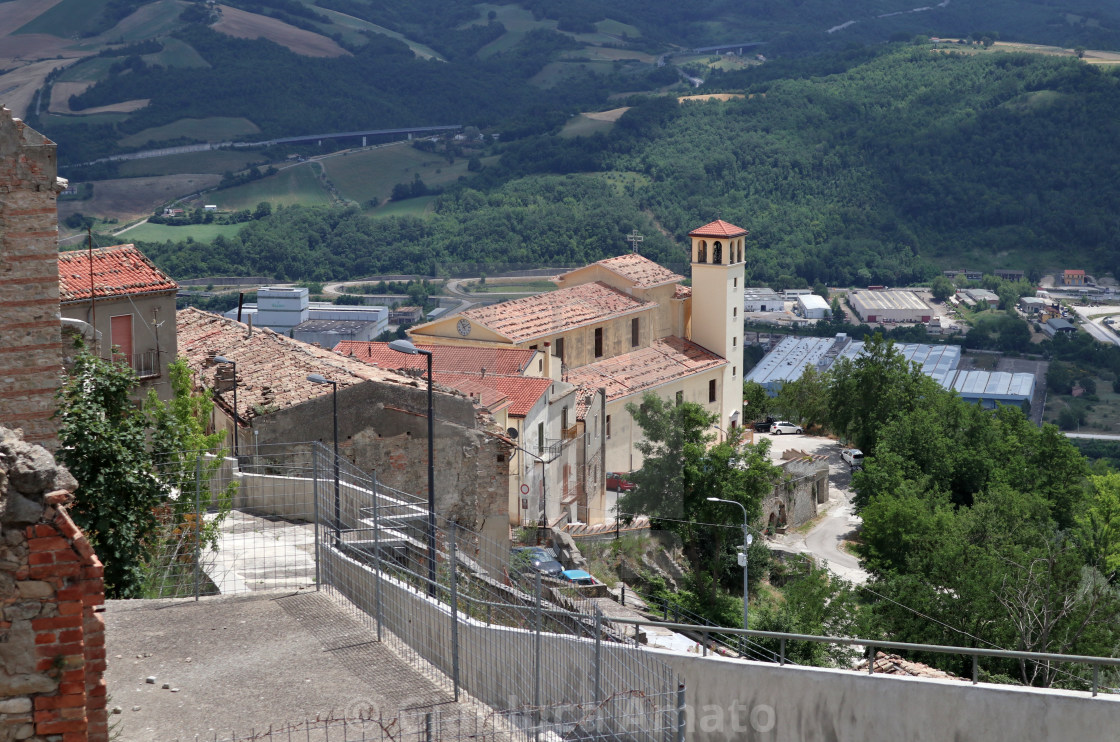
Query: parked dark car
[(616, 483), (542, 560), (763, 426)]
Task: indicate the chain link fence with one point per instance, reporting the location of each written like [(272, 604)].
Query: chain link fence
[(533, 657)]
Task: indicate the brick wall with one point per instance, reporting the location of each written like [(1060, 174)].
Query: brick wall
[(52, 634), (30, 340)]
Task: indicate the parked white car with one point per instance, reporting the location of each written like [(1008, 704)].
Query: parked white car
[(853, 457), (784, 427)]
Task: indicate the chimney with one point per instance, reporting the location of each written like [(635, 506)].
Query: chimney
[(250, 323), (484, 372), (548, 359)]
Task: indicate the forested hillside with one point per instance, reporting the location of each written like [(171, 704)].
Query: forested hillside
[(878, 174)]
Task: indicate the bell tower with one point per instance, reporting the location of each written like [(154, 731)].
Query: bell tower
[(717, 306)]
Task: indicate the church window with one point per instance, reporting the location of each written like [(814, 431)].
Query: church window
[(717, 253), (598, 342), (711, 390), (634, 332)]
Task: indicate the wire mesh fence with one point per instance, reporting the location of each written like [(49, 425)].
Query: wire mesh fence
[(534, 652)]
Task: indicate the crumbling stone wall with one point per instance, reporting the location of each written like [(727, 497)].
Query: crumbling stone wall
[(52, 641), (30, 335)]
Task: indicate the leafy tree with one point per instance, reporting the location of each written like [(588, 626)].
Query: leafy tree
[(805, 400), (817, 603), (682, 468), (942, 288), (756, 401), (103, 441)]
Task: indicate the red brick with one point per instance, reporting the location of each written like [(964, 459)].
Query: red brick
[(45, 638), (71, 687), (74, 737), (71, 635), (98, 689), (46, 715), (59, 622), (93, 572), (96, 665), (40, 558), (95, 653), (44, 543), (94, 704), (60, 727), (72, 700), (70, 593), (69, 608), (40, 531), (94, 640), (93, 599), (75, 713), (73, 676), (70, 569)]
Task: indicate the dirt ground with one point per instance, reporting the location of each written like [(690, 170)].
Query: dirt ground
[(132, 198), (252, 26)]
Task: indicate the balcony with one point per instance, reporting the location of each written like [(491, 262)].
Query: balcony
[(146, 364)]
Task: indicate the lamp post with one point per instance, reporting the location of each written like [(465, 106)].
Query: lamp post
[(225, 361), (406, 347), (746, 545), (320, 379)]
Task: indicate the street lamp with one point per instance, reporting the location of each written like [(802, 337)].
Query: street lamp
[(746, 545), (225, 361), (320, 379), (406, 347)]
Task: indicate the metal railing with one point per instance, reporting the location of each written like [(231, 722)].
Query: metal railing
[(872, 645)]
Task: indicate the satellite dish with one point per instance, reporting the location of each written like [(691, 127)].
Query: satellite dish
[(512, 433)]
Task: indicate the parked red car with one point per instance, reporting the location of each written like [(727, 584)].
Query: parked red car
[(616, 483)]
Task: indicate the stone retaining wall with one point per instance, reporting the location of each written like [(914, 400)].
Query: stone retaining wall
[(52, 640)]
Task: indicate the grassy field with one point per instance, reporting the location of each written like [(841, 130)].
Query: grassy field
[(350, 28), (610, 54), (584, 126), (214, 129), (163, 233), (217, 162), (1102, 415), (90, 71), (132, 198), (294, 185), (363, 175), (149, 21), (555, 72), (66, 19), (176, 53), (412, 207), (617, 28), (94, 118)]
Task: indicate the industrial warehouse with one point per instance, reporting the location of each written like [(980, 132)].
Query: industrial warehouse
[(789, 359), (889, 306)]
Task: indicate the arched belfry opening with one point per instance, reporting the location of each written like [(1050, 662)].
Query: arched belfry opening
[(702, 252), (717, 253)]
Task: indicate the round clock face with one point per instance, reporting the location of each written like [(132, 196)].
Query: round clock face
[(464, 327)]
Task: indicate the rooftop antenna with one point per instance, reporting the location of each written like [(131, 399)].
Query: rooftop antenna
[(89, 249), (635, 238)]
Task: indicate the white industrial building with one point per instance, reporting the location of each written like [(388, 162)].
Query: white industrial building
[(762, 299), (283, 308), (811, 306), (789, 359), (889, 306)]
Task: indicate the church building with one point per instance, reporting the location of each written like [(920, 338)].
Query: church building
[(628, 326)]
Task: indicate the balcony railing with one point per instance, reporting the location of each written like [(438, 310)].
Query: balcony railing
[(146, 364)]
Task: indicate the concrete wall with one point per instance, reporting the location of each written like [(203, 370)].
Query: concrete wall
[(30, 334), (733, 700)]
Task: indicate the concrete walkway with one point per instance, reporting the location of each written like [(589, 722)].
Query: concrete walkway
[(257, 553), (244, 662)]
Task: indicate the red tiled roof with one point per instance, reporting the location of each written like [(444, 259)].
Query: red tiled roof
[(584, 397), (682, 292), (451, 358), (641, 270), (663, 361), (718, 228), (1075, 273), (556, 311), (271, 369), (121, 270), (522, 392)]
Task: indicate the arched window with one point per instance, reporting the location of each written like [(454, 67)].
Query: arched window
[(702, 252), (717, 253)]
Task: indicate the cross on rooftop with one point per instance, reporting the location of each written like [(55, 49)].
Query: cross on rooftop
[(634, 238)]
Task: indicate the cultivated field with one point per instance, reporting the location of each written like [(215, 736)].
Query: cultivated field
[(293, 185), (18, 87), (244, 25), (176, 53), (214, 129), (60, 101), (64, 19), (216, 162), (713, 96), (350, 26), (611, 54), (363, 175), (554, 72), (162, 233), (134, 198), (412, 207)]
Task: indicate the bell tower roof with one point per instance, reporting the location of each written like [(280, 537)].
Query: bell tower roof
[(718, 228)]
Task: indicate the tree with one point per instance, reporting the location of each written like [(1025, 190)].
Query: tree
[(103, 444), (756, 401), (942, 288), (805, 400), (683, 467)]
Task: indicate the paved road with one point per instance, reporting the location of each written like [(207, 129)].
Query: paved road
[(839, 522), (1094, 436)]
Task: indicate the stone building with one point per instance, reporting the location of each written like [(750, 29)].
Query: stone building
[(382, 416), (628, 326), (803, 486), (30, 334), (52, 634)]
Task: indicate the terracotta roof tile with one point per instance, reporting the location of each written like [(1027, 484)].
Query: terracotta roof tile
[(682, 292), (556, 311), (641, 270), (121, 270), (718, 228), (584, 397), (271, 369), (449, 358), (663, 361), (521, 392)]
